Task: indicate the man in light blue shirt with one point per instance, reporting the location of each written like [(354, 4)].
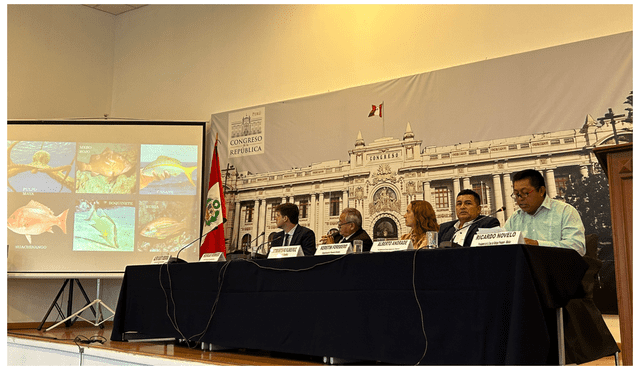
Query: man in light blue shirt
[(542, 220)]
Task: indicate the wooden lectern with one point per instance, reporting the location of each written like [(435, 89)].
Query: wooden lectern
[(617, 162)]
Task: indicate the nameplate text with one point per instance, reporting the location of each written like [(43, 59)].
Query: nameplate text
[(213, 257), (386, 246), (285, 252), (334, 249), (497, 238)]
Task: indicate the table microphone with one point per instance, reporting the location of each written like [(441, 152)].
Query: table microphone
[(253, 255), (178, 260), (450, 243)]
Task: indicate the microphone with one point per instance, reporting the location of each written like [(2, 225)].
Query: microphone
[(253, 255), (178, 260), (252, 241), (450, 243)]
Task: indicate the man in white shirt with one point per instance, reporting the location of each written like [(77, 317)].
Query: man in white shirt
[(544, 221)]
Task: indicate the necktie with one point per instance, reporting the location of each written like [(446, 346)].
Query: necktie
[(286, 240)]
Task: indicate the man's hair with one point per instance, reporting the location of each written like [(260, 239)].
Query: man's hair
[(475, 195), (353, 216), (289, 210), (535, 178)]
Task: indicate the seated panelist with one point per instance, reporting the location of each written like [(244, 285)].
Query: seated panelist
[(544, 221), (420, 217), (462, 230), (292, 233), (349, 230)]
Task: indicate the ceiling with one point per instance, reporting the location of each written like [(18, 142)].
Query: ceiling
[(115, 9)]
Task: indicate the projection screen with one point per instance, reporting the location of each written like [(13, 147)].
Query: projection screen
[(94, 197)]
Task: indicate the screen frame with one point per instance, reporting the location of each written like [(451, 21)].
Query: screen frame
[(118, 273)]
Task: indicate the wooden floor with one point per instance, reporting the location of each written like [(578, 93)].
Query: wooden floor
[(242, 357), (162, 349)]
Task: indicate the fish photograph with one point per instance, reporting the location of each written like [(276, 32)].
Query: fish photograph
[(43, 167), (33, 220), (164, 226), (106, 168), (104, 225), (168, 169)]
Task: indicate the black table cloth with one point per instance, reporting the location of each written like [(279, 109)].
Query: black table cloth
[(492, 305)]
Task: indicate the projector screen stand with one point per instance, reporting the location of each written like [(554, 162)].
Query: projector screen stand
[(72, 318)]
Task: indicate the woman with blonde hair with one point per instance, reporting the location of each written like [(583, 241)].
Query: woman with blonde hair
[(421, 218)]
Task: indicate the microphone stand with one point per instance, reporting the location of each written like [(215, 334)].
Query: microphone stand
[(177, 259), (268, 243)]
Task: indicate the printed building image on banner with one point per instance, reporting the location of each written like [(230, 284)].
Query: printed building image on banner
[(246, 133), (428, 136)]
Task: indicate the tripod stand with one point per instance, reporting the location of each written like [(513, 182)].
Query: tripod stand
[(72, 318)]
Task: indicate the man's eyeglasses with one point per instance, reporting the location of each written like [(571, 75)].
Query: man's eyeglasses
[(522, 195), (341, 224)]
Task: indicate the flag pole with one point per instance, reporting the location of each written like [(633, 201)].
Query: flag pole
[(383, 115)]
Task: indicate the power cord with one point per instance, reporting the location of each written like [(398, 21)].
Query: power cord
[(222, 273)]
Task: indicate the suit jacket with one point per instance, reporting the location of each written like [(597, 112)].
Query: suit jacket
[(360, 234), (447, 230), (302, 236)]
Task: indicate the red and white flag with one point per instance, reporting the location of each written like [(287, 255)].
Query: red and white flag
[(376, 108), (215, 213)]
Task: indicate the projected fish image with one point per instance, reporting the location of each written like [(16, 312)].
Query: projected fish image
[(35, 219), (162, 168), (168, 169), (105, 225), (46, 167), (163, 228), (106, 172)]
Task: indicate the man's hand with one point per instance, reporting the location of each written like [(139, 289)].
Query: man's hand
[(530, 242), (326, 240)]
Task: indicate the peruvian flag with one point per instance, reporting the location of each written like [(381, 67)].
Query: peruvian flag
[(376, 108), (215, 212)]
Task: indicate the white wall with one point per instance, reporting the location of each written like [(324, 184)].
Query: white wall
[(186, 62), (59, 61)]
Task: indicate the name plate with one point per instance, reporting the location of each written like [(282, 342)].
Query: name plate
[(161, 259), (213, 257), (285, 252), (497, 238), (334, 249), (385, 246)]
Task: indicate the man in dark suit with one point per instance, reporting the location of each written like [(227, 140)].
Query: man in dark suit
[(292, 233), (462, 230), (349, 230)]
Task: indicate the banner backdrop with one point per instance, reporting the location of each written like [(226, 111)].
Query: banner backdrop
[(540, 91), (377, 147)]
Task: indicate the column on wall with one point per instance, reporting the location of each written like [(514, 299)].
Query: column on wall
[(235, 233), (284, 199), (456, 189), (497, 196), (254, 229), (550, 181), (426, 191), (312, 213), (265, 218), (466, 183), (508, 190), (320, 230), (345, 199)]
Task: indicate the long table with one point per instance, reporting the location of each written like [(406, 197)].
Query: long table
[(477, 306)]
